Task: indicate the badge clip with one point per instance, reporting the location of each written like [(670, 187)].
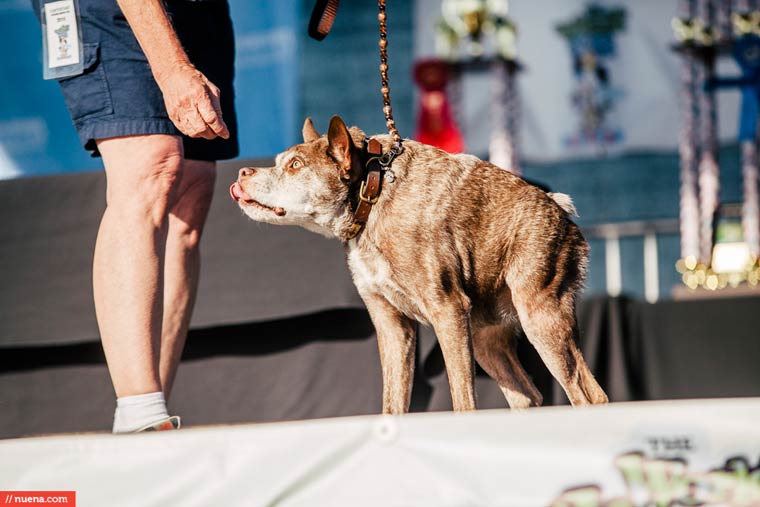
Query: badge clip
[(62, 50)]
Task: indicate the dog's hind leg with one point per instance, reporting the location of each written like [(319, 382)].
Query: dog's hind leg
[(396, 339), (550, 325), (495, 351)]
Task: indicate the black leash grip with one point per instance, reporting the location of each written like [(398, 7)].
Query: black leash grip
[(322, 18)]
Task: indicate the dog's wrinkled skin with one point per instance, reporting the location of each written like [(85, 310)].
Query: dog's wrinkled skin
[(454, 242)]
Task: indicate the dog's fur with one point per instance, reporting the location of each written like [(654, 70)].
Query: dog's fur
[(455, 242)]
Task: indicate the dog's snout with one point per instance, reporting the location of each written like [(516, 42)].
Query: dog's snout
[(246, 171)]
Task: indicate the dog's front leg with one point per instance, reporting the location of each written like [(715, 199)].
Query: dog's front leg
[(396, 339), (451, 323)]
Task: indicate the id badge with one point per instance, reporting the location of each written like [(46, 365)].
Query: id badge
[(61, 39)]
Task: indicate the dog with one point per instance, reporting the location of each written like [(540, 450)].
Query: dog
[(451, 241)]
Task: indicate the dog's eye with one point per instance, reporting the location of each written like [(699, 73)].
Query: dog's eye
[(295, 164)]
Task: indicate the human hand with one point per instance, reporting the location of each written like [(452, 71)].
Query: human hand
[(192, 102)]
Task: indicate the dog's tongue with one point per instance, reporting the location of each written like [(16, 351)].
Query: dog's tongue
[(237, 193)]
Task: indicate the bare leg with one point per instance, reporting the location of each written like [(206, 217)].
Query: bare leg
[(143, 175), (495, 351), (396, 339), (182, 262)]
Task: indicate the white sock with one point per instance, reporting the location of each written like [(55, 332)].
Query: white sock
[(135, 412)]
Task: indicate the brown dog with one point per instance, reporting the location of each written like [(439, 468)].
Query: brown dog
[(452, 241)]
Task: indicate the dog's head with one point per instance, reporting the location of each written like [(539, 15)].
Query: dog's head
[(310, 182)]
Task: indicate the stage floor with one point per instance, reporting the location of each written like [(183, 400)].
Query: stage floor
[(555, 456)]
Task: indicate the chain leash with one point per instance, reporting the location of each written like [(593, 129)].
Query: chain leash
[(390, 123)]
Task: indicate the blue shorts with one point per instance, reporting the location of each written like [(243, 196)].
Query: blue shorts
[(117, 95)]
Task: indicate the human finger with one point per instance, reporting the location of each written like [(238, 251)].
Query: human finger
[(195, 126), (211, 112)]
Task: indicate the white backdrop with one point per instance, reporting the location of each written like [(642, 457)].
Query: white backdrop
[(645, 71)]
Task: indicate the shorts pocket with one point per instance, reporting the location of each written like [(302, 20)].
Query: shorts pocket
[(87, 94)]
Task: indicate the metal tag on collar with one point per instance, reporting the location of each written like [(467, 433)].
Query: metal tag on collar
[(387, 159)]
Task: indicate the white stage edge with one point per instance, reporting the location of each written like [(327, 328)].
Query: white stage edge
[(621, 454)]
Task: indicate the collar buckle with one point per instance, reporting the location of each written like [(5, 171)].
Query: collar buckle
[(363, 196)]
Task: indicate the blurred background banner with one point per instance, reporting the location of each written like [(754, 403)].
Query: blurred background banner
[(632, 80), (36, 133)]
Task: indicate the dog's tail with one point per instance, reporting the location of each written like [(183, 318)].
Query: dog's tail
[(565, 202)]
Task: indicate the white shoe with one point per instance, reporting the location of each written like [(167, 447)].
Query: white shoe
[(172, 423)]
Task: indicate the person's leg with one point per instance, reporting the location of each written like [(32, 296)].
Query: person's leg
[(143, 175), (182, 262)]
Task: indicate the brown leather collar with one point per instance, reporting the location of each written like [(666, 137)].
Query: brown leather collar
[(370, 188)]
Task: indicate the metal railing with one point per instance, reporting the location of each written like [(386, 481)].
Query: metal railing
[(611, 233)]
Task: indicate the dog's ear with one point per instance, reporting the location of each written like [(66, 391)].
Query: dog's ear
[(340, 146), (309, 132)]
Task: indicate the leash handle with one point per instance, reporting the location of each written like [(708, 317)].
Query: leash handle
[(322, 18), (385, 89)]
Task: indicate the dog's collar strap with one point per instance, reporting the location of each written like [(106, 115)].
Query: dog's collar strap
[(371, 186)]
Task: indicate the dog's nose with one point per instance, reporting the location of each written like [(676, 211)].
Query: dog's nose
[(247, 171)]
